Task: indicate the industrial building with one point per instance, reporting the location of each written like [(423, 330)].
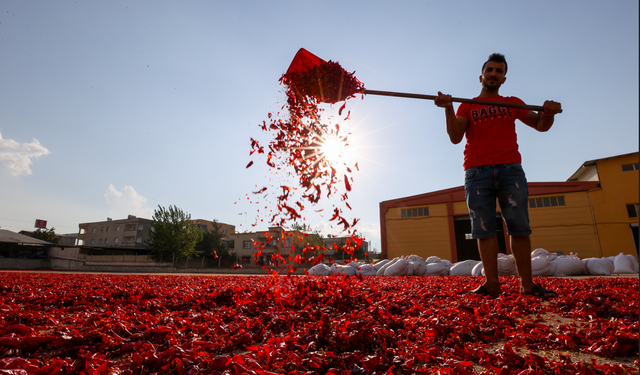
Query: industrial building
[(593, 214)]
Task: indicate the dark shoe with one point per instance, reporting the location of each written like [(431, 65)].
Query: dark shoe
[(541, 292)]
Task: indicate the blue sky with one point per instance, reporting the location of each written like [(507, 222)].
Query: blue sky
[(113, 108)]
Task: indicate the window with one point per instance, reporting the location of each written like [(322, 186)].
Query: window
[(224, 231), (246, 260), (546, 202), (140, 226), (246, 244), (101, 240), (630, 167), (115, 240), (83, 230), (93, 241), (106, 240), (632, 210), (415, 212), (102, 230), (108, 229), (118, 228), (94, 230)]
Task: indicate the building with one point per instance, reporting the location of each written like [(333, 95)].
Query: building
[(593, 214), (129, 233), (331, 243), (615, 205), (207, 225), (277, 243), (18, 245), (274, 242), (68, 240)]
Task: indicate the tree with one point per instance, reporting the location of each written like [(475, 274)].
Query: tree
[(350, 243), (212, 244), (306, 241), (48, 235), (173, 235)]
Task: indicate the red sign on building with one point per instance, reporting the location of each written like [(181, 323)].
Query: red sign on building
[(41, 224)]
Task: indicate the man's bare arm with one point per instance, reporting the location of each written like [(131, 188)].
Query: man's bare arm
[(456, 125), (543, 121)]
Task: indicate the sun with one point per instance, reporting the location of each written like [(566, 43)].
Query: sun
[(335, 149)]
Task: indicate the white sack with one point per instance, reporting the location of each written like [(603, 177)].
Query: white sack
[(597, 266), (568, 265), (367, 270), (478, 269), (381, 263), (538, 252), (541, 251), (634, 261), (413, 258), (585, 264), (419, 267), (433, 259), (354, 264), (447, 264), (337, 269), (382, 269), (435, 269), (506, 265), (399, 268), (320, 269), (463, 268), (623, 264), (409, 269), (542, 266), (609, 264)]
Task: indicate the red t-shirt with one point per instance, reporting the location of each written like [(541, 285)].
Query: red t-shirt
[(491, 132)]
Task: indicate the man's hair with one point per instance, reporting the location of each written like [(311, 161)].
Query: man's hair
[(499, 58)]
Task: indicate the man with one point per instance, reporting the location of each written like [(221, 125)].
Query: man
[(493, 170)]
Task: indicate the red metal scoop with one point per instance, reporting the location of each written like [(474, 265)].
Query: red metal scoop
[(305, 61)]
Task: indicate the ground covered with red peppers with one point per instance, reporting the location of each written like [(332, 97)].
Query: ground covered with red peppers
[(53, 323)]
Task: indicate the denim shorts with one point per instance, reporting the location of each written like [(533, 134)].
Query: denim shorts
[(506, 183)]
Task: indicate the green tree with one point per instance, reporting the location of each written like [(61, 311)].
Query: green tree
[(358, 253), (212, 243), (48, 235), (304, 235), (173, 234)]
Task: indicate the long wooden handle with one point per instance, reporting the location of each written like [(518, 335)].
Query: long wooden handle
[(457, 100)]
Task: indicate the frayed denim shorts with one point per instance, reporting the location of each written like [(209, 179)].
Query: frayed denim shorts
[(506, 183)]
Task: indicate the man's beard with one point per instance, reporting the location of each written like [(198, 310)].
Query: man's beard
[(492, 87)]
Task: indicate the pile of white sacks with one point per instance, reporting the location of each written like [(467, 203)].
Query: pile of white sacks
[(543, 263)]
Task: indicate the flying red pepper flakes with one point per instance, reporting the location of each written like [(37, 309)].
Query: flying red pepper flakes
[(143, 324), (296, 139)]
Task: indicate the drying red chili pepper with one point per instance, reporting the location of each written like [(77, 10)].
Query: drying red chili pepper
[(297, 137), (135, 324)]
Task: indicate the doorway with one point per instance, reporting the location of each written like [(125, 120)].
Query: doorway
[(634, 232), (467, 247)]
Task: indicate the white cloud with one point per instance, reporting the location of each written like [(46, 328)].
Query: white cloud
[(127, 202), (17, 157)]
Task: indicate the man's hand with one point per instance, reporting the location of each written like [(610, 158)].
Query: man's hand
[(456, 126), (543, 120), (550, 108), (443, 100)]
